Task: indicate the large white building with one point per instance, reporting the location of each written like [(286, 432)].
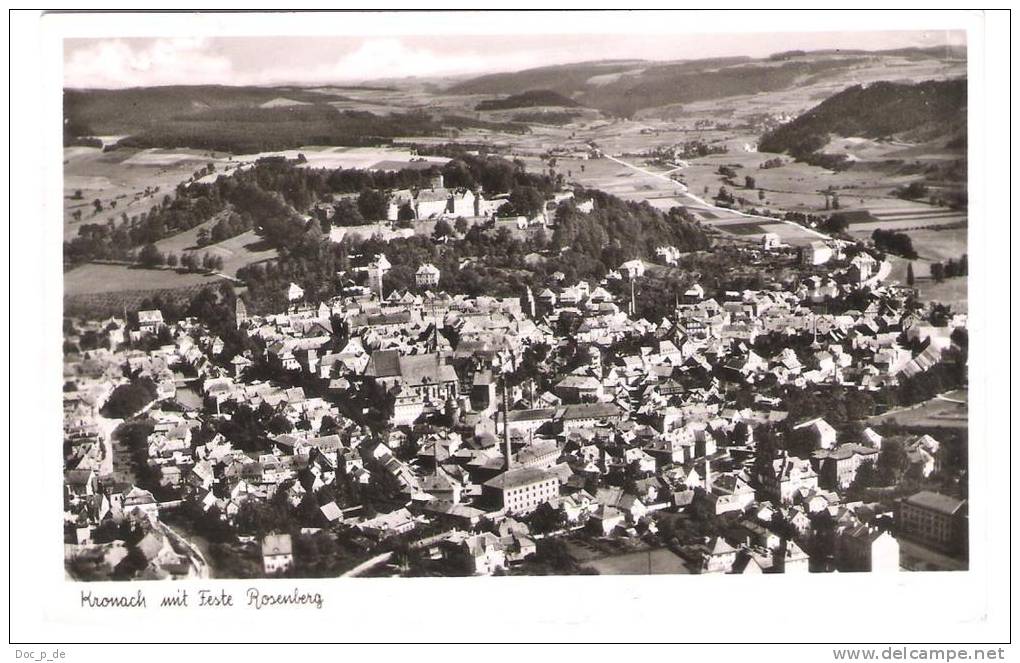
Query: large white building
[(521, 490)]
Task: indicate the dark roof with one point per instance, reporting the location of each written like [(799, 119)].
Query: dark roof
[(591, 410), (384, 364), (522, 476), (531, 415), (927, 499)]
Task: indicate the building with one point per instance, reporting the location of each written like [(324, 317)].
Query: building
[(869, 549), (426, 375), (521, 490), (277, 553), (817, 253), (376, 272), (821, 432), (633, 269), (838, 467), (295, 293), (150, 322), (770, 241), (789, 475), (427, 276), (934, 518)]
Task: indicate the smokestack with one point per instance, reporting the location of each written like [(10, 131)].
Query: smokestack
[(506, 427), (708, 475)]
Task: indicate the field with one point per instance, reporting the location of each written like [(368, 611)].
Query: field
[(652, 562), (118, 179), (949, 410), (92, 279), (236, 252)]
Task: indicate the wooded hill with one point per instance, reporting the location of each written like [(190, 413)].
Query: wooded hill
[(932, 110)]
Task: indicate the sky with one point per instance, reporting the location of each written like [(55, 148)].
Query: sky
[(135, 62)]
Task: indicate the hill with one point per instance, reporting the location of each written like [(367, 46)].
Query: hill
[(243, 119), (625, 87), (104, 112), (927, 111), (528, 99)]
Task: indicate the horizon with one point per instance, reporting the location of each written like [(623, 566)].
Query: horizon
[(126, 63)]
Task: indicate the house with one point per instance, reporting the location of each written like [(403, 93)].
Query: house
[(605, 519), (277, 553), (867, 548), (817, 253), (925, 452), (485, 553), (789, 476), (579, 388), (713, 556), (770, 241), (821, 432), (389, 524), (633, 269), (427, 276), (934, 518), (295, 293), (150, 321), (138, 500), (838, 467)]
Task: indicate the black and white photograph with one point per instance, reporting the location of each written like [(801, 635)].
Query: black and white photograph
[(489, 305)]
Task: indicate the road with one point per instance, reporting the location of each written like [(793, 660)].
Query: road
[(367, 565), (916, 557), (703, 203), (106, 428)]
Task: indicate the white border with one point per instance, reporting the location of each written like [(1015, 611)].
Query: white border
[(970, 606)]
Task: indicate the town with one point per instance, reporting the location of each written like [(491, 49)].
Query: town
[(710, 405)]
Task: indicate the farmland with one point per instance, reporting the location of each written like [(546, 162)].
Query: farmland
[(948, 410), (92, 279)]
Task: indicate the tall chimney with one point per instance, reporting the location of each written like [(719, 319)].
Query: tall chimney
[(506, 427), (708, 475)]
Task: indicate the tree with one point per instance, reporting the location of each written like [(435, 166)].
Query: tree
[(77, 194), (749, 182), (442, 229), (347, 213), (171, 259), (526, 201), (836, 223), (910, 274), (98, 204), (938, 272), (150, 256), (405, 213), (127, 399), (203, 236), (372, 204), (761, 194), (460, 224)]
